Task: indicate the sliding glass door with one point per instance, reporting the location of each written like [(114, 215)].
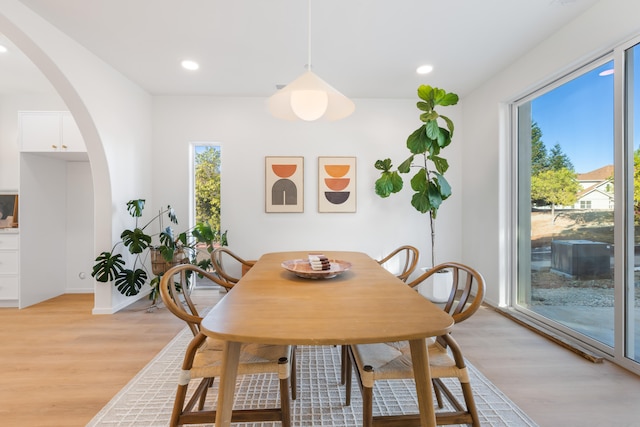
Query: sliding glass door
[(566, 205), (578, 205)]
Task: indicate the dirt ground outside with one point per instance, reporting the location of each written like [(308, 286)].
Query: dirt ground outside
[(571, 225), (552, 288)]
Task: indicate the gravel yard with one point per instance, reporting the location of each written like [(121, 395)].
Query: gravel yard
[(557, 290)]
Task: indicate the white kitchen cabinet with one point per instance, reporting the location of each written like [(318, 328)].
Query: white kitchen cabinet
[(9, 268), (71, 136), (49, 131)]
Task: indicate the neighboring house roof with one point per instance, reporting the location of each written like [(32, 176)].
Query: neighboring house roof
[(596, 184), (596, 187), (602, 174)]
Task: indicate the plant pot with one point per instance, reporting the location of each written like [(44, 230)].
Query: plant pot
[(437, 287), (159, 265)]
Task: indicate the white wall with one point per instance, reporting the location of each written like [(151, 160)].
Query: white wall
[(486, 156), (247, 133), (79, 228), (43, 241)]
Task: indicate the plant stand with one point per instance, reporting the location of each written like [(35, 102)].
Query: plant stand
[(438, 287), (159, 265)]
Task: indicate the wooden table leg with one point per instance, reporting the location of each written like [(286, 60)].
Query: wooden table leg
[(226, 392), (422, 374)]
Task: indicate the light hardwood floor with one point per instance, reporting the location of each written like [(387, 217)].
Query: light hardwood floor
[(553, 385), (61, 365)]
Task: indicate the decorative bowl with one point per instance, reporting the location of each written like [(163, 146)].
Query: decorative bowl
[(302, 268)]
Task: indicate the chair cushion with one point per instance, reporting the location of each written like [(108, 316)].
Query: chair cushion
[(254, 358), (392, 360)]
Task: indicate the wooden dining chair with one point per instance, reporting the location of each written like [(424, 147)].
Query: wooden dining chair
[(392, 361), (223, 256), (406, 258), (203, 358)]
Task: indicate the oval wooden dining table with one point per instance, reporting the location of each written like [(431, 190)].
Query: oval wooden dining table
[(365, 304)]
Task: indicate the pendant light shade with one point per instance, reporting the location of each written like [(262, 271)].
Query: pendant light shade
[(309, 97)]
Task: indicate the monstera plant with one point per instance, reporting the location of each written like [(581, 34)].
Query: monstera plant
[(169, 249), (425, 145)]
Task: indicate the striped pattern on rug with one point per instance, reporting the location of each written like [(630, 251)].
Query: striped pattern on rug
[(148, 398)]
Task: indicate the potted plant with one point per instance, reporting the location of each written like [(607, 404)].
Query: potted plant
[(170, 249), (425, 145)]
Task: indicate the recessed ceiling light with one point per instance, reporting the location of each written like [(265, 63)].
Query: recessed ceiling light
[(190, 65), (424, 69), (3, 49)]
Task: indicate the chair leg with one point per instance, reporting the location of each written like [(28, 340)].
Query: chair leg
[(438, 394), (285, 404), (294, 375), (203, 395), (367, 407), (343, 361), (178, 404), (470, 403), (347, 365)]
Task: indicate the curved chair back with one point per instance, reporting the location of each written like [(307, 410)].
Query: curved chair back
[(467, 292), (408, 259), (218, 257), (175, 291)]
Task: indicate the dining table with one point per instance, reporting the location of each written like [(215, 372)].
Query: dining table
[(363, 303)]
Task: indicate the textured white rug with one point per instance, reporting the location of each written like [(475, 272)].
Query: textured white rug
[(148, 398)]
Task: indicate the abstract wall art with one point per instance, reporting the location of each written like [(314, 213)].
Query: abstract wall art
[(284, 184), (336, 184)]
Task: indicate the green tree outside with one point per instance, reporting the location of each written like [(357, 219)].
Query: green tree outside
[(555, 188), (559, 160), (539, 159), (636, 184), (553, 179), (207, 185)]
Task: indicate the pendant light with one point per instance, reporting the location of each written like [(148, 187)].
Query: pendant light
[(309, 97)]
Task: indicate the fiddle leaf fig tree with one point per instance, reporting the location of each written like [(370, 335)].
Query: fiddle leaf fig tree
[(425, 144)]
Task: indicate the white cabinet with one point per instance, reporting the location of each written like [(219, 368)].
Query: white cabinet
[(9, 268), (49, 131)]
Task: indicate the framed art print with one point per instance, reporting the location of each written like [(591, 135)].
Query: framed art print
[(336, 184), (284, 184)]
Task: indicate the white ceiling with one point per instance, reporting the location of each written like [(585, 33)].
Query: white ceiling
[(364, 48)]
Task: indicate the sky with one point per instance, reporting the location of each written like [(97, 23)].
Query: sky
[(578, 115)]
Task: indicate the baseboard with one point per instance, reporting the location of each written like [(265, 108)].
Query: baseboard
[(123, 304), (8, 303), (79, 291), (548, 333)]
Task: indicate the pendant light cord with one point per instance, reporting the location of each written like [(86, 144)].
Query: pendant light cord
[(309, 36)]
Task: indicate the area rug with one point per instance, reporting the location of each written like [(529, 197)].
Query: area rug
[(148, 398)]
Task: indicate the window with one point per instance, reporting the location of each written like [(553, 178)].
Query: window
[(586, 204), (206, 185)]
